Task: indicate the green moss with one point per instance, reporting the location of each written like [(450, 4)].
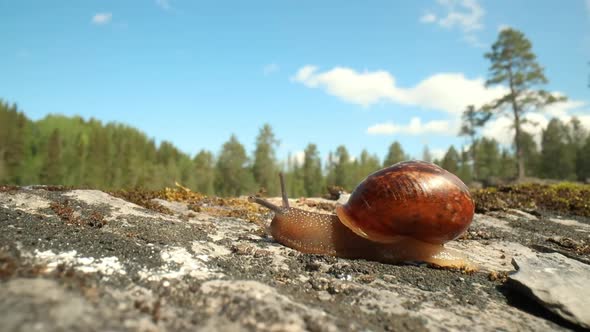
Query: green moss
[(564, 198)]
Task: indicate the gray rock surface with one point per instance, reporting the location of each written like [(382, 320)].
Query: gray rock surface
[(557, 282), (85, 260)]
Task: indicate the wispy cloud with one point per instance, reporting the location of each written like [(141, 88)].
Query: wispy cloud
[(447, 92), (438, 153), (270, 69), (164, 4), (588, 6), (466, 15), (428, 18), (502, 27), (102, 18), (415, 127)]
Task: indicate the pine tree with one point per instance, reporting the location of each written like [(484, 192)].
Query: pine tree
[(513, 63), (507, 169), (488, 162), (465, 167), (451, 160), (530, 153), (366, 164), (98, 156), (204, 168), (233, 175), (583, 168), (312, 171), (395, 154), (13, 131), (557, 160), (472, 120), (343, 169), (265, 168), (295, 178), (576, 138), (51, 172)]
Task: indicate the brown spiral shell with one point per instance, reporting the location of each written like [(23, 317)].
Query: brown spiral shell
[(414, 199)]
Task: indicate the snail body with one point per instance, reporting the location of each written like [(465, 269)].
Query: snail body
[(405, 212)]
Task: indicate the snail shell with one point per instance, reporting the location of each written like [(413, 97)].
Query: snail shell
[(416, 199)]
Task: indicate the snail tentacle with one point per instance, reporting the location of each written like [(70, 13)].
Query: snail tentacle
[(283, 190), (265, 203)]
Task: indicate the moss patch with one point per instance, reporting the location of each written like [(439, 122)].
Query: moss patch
[(212, 205), (563, 198)]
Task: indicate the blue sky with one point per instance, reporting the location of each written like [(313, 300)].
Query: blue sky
[(358, 73)]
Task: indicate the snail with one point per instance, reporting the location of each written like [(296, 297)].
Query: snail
[(402, 213)]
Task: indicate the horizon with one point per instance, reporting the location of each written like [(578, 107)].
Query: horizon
[(329, 74)]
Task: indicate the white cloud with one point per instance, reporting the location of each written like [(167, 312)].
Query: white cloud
[(295, 158), (501, 127), (466, 15), (102, 18), (164, 4), (448, 92), (415, 127), (270, 68), (438, 153), (503, 27), (299, 157), (359, 88), (474, 41), (429, 18)]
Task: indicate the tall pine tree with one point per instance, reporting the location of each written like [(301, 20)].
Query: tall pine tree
[(395, 154), (514, 64), (265, 168), (312, 171), (233, 175)]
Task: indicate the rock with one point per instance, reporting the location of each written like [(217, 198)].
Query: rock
[(41, 304), (141, 270), (558, 283), (581, 227)]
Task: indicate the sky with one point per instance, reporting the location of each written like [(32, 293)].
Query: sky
[(358, 73)]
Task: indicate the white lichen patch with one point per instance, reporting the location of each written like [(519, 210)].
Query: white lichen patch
[(176, 207), (392, 298), (25, 202), (495, 317), (523, 214), (182, 209), (389, 299), (581, 227), (179, 262), (494, 256), (207, 249), (490, 222), (279, 256), (289, 315), (105, 265), (119, 207)]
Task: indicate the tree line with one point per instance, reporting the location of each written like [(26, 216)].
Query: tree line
[(72, 151)]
